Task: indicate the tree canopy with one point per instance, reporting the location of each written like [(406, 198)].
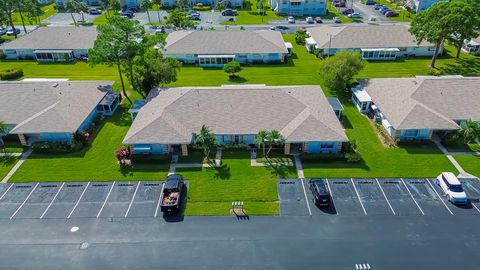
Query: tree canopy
[(232, 68), (339, 70), (206, 140), (179, 19)]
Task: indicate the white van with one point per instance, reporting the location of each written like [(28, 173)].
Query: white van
[(452, 188)]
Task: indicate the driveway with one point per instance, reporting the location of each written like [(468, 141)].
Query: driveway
[(66, 18)]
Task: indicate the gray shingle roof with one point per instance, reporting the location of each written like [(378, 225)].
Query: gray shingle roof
[(35, 107), (300, 113), (53, 37), (224, 42), (363, 36), (426, 102)]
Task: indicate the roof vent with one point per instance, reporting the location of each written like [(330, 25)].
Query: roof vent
[(55, 85)]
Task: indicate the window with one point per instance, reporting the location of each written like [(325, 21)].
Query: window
[(411, 133), (295, 3), (326, 145), (364, 106)]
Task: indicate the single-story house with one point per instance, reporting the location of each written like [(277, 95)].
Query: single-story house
[(299, 7), (416, 108), (373, 42), (54, 110), (216, 48), (171, 118), (472, 46), (52, 44)]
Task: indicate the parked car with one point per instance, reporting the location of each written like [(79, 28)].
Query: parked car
[(194, 17), (127, 14), (291, 19), (133, 9), (318, 20), (321, 195), (355, 15), (12, 31), (348, 11), (370, 2), (377, 6), (383, 10), (309, 20), (3, 31), (172, 193), (94, 11), (337, 20), (373, 19), (229, 12), (282, 27), (391, 14), (452, 188), (339, 4)]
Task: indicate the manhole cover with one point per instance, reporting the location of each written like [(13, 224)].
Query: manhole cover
[(84, 245), (74, 229)]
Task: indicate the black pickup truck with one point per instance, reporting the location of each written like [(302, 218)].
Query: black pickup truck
[(171, 193)]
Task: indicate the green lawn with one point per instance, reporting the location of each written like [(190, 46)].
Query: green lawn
[(471, 147), (96, 163), (379, 161), (469, 163), (48, 11), (251, 15), (195, 156), (213, 190), (6, 164)]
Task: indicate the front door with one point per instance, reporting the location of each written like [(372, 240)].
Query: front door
[(237, 139)]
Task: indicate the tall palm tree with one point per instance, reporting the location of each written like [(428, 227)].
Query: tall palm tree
[(206, 140), (469, 131), (147, 4), (71, 7), (274, 138), (261, 139)]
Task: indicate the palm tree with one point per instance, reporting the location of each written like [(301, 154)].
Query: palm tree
[(206, 140), (274, 137), (469, 131), (260, 139), (71, 7), (158, 3), (147, 4)]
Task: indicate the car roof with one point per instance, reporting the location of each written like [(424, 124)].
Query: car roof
[(451, 178), (321, 186)]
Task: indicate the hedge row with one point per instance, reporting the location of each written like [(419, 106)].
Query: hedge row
[(11, 74)]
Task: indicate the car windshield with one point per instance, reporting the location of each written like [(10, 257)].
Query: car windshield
[(456, 188)]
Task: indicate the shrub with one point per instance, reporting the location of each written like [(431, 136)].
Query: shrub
[(435, 72), (11, 74), (300, 36), (56, 147), (232, 68), (2, 54), (353, 157), (123, 155), (232, 145), (81, 137)]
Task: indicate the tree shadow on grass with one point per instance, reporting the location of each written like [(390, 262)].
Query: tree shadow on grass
[(281, 168), (237, 79), (419, 147), (7, 160), (222, 172), (465, 67)]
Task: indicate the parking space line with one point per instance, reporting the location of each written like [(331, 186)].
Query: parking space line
[(54, 197), (29, 194), (131, 201), (331, 194), (78, 201), (106, 199), (5, 193), (358, 195), (384, 195), (415, 201), (306, 199), (159, 200), (434, 190)]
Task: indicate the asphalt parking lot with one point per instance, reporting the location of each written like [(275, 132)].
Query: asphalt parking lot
[(80, 200), (66, 19), (383, 196)]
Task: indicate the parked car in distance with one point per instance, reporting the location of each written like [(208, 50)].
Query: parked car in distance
[(383, 10), (282, 27), (391, 14), (3, 31), (94, 11), (377, 6), (309, 20), (373, 19), (318, 20), (348, 11), (133, 9), (370, 2), (339, 4), (321, 195), (12, 31), (337, 20), (354, 15), (452, 188), (127, 14), (291, 19), (229, 12), (172, 193), (194, 17)]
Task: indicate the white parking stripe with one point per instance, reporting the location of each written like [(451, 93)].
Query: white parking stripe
[(331, 193), (131, 202), (391, 208), (439, 196), (54, 197), (306, 199), (159, 200), (78, 201), (360, 200), (11, 185), (106, 199), (29, 194), (415, 201)]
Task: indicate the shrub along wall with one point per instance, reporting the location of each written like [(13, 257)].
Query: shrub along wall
[(11, 74)]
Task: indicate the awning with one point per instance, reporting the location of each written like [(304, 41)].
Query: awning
[(136, 106), (381, 50), (142, 148), (217, 56), (310, 41), (53, 51), (109, 98), (362, 95), (335, 103), (288, 45)]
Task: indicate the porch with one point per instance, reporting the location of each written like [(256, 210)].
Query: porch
[(380, 53), (215, 60), (54, 55), (109, 103)]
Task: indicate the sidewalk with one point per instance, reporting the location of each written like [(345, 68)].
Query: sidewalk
[(462, 172), (298, 164), (19, 163)]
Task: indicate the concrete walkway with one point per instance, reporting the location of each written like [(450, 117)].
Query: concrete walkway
[(298, 164), (174, 163), (10, 154), (254, 163), (19, 163), (463, 173)]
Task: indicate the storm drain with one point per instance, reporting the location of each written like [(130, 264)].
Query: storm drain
[(84, 245)]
